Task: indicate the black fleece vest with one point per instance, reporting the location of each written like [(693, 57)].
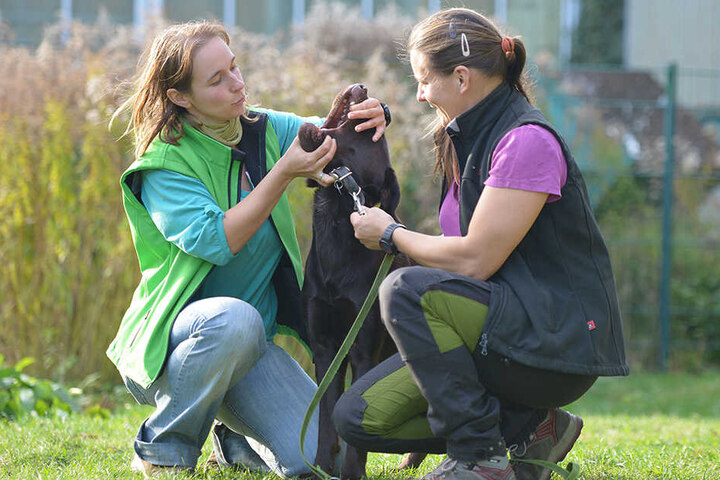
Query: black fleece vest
[(553, 303)]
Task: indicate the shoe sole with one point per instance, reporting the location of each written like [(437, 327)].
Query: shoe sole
[(568, 439)]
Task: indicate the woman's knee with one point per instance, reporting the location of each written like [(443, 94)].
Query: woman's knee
[(347, 418), (400, 295), (234, 327)]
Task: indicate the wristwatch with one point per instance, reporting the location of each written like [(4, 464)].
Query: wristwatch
[(386, 111), (386, 243)]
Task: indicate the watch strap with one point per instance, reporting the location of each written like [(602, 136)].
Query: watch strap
[(386, 243)]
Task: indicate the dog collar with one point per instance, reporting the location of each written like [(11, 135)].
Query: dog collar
[(344, 179)]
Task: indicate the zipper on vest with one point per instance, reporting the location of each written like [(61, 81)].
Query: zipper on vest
[(233, 178), (237, 160), (483, 344), (229, 186)]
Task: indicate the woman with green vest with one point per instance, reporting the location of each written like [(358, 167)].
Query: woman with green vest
[(513, 312), (220, 262)]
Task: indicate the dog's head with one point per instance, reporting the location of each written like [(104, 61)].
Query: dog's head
[(369, 161)]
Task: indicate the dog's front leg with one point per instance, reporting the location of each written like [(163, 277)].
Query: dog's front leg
[(328, 444), (361, 362)]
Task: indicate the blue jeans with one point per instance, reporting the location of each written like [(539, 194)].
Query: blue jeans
[(220, 365)]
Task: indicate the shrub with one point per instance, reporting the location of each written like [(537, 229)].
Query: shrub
[(21, 394)]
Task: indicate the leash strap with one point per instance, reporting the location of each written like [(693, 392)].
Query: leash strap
[(337, 361), (572, 472)]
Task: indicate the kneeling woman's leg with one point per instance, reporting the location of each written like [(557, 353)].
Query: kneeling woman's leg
[(214, 342), (267, 406), (384, 411), (436, 318)]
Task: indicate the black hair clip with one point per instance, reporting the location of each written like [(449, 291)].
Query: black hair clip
[(452, 29)]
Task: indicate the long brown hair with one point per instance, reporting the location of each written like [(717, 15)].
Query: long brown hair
[(439, 37), (166, 64)]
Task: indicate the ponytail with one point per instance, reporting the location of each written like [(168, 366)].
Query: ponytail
[(515, 57)]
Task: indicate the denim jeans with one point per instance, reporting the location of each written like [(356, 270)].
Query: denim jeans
[(220, 365)]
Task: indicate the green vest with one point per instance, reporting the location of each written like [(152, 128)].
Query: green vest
[(169, 275)]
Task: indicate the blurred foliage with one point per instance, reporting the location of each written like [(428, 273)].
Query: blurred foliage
[(598, 38), (22, 394), (69, 267)]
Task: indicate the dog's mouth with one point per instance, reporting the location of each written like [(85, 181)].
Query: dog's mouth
[(341, 106), (312, 136)]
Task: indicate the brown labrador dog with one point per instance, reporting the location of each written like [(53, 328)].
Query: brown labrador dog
[(339, 270)]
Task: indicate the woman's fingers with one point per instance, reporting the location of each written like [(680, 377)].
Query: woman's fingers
[(326, 151), (321, 157), (373, 111), (369, 227)]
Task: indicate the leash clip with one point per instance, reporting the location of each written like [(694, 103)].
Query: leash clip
[(359, 207), (343, 178)]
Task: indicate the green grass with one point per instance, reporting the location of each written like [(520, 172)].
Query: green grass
[(646, 426)]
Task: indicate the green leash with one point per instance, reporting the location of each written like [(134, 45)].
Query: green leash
[(339, 357), (572, 472)]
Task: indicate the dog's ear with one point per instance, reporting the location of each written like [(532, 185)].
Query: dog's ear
[(390, 192), (310, 136)]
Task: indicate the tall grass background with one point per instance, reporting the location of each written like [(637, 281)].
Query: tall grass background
[(67, 260), (68, 265)]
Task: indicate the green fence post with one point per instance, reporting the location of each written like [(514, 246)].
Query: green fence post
[(666, 269)]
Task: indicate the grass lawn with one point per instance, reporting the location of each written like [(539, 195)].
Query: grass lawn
[(646, 426)]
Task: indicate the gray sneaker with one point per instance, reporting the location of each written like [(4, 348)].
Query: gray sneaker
[(496, 468), (551, 441)]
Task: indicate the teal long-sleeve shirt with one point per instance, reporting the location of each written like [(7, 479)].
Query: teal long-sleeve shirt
[(188, 216)]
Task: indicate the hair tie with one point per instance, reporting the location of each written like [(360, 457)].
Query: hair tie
[(508, 46)]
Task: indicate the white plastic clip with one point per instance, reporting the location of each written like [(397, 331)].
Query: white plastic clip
[(464, 45)]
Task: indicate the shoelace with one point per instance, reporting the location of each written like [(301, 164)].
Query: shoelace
[(515, 449)]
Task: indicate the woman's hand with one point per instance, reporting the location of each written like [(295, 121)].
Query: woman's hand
[(298, 163), (370, 227), (372, 110)]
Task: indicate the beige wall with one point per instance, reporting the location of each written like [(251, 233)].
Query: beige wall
[(687, 32)]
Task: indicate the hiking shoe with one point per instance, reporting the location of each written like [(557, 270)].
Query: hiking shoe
[(551, 441), (150, 470), (495, 468)]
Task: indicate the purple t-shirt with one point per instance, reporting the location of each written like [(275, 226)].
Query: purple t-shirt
[(526, 158)]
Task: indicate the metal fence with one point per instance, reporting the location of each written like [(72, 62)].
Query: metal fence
[(651, 160)]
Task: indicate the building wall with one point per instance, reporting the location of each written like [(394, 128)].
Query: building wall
[(687, 32), (28, 18)]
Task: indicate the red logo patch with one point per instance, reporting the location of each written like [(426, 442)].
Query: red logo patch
[(591, 325)]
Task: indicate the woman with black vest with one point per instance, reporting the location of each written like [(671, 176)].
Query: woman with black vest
[(513, 312)]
